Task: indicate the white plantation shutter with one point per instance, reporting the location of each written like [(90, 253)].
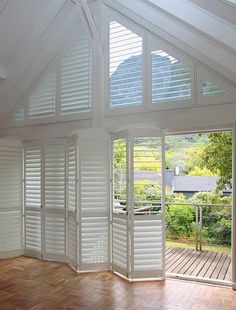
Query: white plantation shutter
[(147, 244), (120, 244), (126, 63), (171, 79), (209, 88), (72, 221), (32, 199), (18, 116), (137, 223), (76, 77), (120, 248), (146, 218), (94, 209), (42, 101), (10, 199), (54, 200)]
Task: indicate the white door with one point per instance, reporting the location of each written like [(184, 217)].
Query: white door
[(138, 215), (45, 199), (54, 204)]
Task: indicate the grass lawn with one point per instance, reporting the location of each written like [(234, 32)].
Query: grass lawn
[(192, 245)]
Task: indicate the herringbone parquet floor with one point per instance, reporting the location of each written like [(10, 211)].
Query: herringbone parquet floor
[(27, 283)]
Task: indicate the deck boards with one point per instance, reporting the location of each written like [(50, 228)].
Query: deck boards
[(205, 264)]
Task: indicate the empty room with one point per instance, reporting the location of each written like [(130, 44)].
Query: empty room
[(117, 154)]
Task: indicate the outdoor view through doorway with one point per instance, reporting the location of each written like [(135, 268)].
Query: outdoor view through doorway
[(198, 206)]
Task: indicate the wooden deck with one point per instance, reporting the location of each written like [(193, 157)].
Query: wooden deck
[(205, 264)]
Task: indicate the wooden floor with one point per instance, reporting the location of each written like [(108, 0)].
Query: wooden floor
[(27, 283), (206, 264)]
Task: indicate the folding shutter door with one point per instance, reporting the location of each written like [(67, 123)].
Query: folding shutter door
[(146, 208), (94, 211), (138, 206), (32, 199), (54, 201), (10, 199), (72, 222), (119, 214)]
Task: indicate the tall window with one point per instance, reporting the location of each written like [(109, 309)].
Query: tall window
[(125, 66)]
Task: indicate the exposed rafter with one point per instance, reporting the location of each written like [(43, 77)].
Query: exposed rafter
[(201, 20), (88, 17)]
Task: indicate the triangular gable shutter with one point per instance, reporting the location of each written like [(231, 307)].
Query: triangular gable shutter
[(213, 89), (76, 77), (126, 65), (42, 100)]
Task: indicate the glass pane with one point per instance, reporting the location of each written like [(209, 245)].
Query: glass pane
[(125, 66)]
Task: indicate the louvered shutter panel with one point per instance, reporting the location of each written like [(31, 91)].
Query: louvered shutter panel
[(10, 199), (125, 66), (42, 101), (72, 221), (76, 77), (146, 218), (171, 79), (18, 116), (54, 200), (120, 246), (94, 212), (32, 199), (209, 88)]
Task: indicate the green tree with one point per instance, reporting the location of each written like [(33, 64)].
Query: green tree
[(217, 157)]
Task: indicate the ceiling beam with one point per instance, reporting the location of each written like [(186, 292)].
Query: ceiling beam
[(201, 20)]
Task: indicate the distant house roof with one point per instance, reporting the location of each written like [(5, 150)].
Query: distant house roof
[(194, 183), (147, 175), (182, 184)]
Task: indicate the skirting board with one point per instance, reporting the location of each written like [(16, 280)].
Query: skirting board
[(11, 254)]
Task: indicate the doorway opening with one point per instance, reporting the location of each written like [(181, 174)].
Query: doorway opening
[(198, 206)]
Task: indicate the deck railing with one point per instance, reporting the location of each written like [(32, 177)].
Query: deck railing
[(198, 209)]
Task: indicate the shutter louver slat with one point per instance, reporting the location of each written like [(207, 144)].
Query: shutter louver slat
[(76, 77), (125, 63)]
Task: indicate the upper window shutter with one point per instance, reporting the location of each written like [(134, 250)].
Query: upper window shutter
[(126, 63), (76, 77), (213, 89), (171, 74), (18, 116), (171, 79), (42, 100)]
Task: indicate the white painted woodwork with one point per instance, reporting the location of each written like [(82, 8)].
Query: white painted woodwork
[(11, 207)]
